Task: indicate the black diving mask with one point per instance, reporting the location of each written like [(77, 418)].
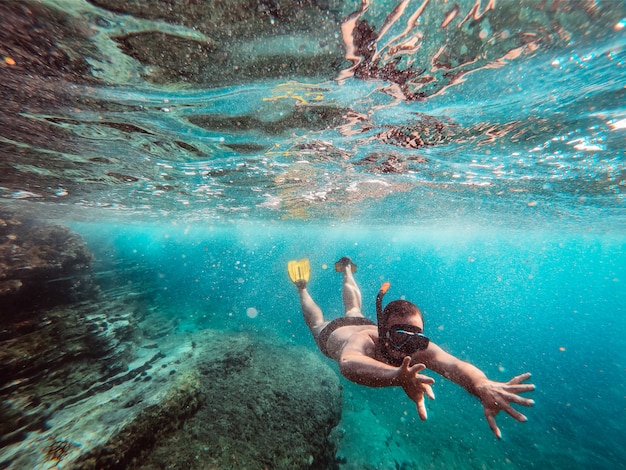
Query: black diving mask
[(406, 338), (403, 338)]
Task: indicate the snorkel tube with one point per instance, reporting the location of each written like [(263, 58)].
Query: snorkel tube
[(379, 308), (382, 344), (413, 340)]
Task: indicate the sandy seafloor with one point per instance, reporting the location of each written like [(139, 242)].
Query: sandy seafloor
[(548, 302)]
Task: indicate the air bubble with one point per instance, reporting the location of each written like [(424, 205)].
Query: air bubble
[(252, 312)]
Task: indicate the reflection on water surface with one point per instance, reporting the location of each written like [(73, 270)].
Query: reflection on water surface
[(316, 109)]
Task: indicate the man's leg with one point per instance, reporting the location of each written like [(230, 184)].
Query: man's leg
[(351, 293), (313, 315)]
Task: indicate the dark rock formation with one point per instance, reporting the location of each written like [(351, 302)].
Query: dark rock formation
[(82, 385), (41, 266), (212, 400), (243, 403), (56, 337), (48, 361), (264, 406)]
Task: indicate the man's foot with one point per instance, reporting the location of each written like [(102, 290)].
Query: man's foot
[(340, 266)]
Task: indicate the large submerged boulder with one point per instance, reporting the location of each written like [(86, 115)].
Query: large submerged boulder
[(57, 335), (257, 405), (211, 400), (41, 266), (82, 385)]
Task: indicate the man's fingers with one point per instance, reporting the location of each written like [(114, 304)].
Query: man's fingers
[(429, 391), (520, 378), (515, 414), (519, 388), (415, 370), (491, 419), (513, 397), (421, 407), (424, 379), (416, 367), (500, 396)]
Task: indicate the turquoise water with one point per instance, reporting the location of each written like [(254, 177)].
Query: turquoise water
[(547, 302), (472, 154)]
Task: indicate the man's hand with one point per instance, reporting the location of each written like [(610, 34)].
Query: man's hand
[(415, 385), (498, 396)]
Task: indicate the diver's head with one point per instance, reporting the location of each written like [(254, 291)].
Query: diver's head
[(400, 328), (401, 310)]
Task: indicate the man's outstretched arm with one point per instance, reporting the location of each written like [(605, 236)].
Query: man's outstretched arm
[(494, 396), (357, 365)]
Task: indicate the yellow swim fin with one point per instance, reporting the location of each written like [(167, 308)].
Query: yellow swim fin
[(299, 271)]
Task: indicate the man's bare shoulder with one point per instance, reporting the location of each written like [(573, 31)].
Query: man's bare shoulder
[(355, 338), (362, 339), (358, 332)]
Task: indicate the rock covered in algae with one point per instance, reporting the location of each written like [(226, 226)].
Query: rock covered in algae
[(234, 402), (43, 269), (57, 337), (41, 265), (81, 388)]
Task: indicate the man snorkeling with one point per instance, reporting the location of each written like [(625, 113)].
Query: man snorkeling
[(395, 351)]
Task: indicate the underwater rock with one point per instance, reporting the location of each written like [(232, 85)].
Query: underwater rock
[(263, 405), (57, 336), (40, 266), (50, 360), (209, 400)]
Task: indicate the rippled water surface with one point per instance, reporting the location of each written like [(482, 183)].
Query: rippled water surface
[(498, 111), (470, 151)]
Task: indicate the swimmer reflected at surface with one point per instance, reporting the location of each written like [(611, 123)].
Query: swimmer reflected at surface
[(395, 351)]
